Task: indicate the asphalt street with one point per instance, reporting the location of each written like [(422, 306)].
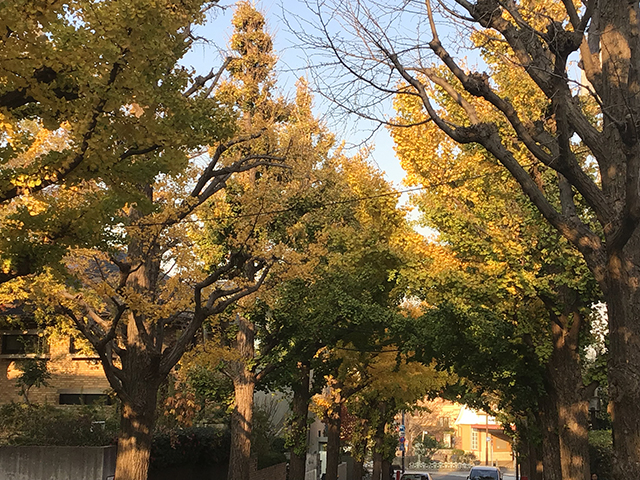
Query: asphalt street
[(444, 475)]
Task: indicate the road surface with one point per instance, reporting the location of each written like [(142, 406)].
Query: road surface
[(449, 475)]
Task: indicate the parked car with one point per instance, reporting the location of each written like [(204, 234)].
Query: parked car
[(485, 473), (415, 476)]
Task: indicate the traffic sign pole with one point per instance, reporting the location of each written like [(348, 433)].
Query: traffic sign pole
[(402, 436)]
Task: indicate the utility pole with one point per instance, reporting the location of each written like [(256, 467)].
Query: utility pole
[(486, 440), (403, 430)]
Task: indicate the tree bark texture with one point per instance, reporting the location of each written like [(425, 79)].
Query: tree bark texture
[(551, 463), (333, 444), (360, 449), (299, 427), (141, 377), (570, 396), (607, 36), (378, 450), (623, 304), (386, 466), (134, 441), (244, 382), (241, 427), (530, 465)]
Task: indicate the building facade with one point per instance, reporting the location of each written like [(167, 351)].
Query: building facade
[(76, 376)]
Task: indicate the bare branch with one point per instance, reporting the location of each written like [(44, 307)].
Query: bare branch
[(212, 75), (172, 354), (114, 374)]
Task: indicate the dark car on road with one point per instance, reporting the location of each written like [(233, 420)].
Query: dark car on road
[(485, 473)]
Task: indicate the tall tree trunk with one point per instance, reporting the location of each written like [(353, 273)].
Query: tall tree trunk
[(360, 449), (623, 305), (527, 458), (378, 446), (572, 407), (333, 443), (138, 412), (299, 429), (241, 427), (134, 441), (552, 469), (358, 470), (244, 382), (140, 368), (538, 473), (531, 454), (386, 466)]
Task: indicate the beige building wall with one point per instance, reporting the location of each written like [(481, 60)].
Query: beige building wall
[(447, 420), (71, 373), (472, 438)]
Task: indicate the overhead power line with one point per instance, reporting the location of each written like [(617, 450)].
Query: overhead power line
[(454, 183)]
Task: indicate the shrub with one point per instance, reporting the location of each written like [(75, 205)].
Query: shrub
[(601, 452), (34, 424), (194, 445)]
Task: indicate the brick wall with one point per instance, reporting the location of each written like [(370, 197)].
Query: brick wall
[(69, 374)]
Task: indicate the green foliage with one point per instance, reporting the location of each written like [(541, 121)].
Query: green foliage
[(95, 104), (34, 373), (479, 345), (427, 446), (23, 424), (458, 455), (267, 442), (195, 445), (601, 453), (211, 387)]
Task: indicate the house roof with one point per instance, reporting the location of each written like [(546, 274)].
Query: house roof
[(476, 418)]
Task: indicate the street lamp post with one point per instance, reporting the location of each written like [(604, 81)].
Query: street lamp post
[(486, 440), (403, 430)]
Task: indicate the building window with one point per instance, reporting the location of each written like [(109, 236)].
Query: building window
[(443, 422), (474, 439), (84, 399), (23, 344)]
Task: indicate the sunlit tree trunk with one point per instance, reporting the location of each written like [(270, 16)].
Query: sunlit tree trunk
[(572, 408), (134, 441), (550, 441), (244, 382)]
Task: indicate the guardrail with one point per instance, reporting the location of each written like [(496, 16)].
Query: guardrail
[(440, 466)]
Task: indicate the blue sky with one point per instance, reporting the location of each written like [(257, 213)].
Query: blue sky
[(292, 64)]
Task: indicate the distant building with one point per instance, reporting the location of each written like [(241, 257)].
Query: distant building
[(481, 435), (458, 427), (76, 377)]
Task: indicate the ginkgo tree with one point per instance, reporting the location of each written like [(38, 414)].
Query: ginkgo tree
[(507, 257), (92, 91), (141, 294), (586, 132)]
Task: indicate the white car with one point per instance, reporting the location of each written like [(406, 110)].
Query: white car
[(485, 473), (415, 476)]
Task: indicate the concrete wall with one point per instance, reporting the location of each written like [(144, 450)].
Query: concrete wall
[(342, 471), (274, 472), (57, 463)]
